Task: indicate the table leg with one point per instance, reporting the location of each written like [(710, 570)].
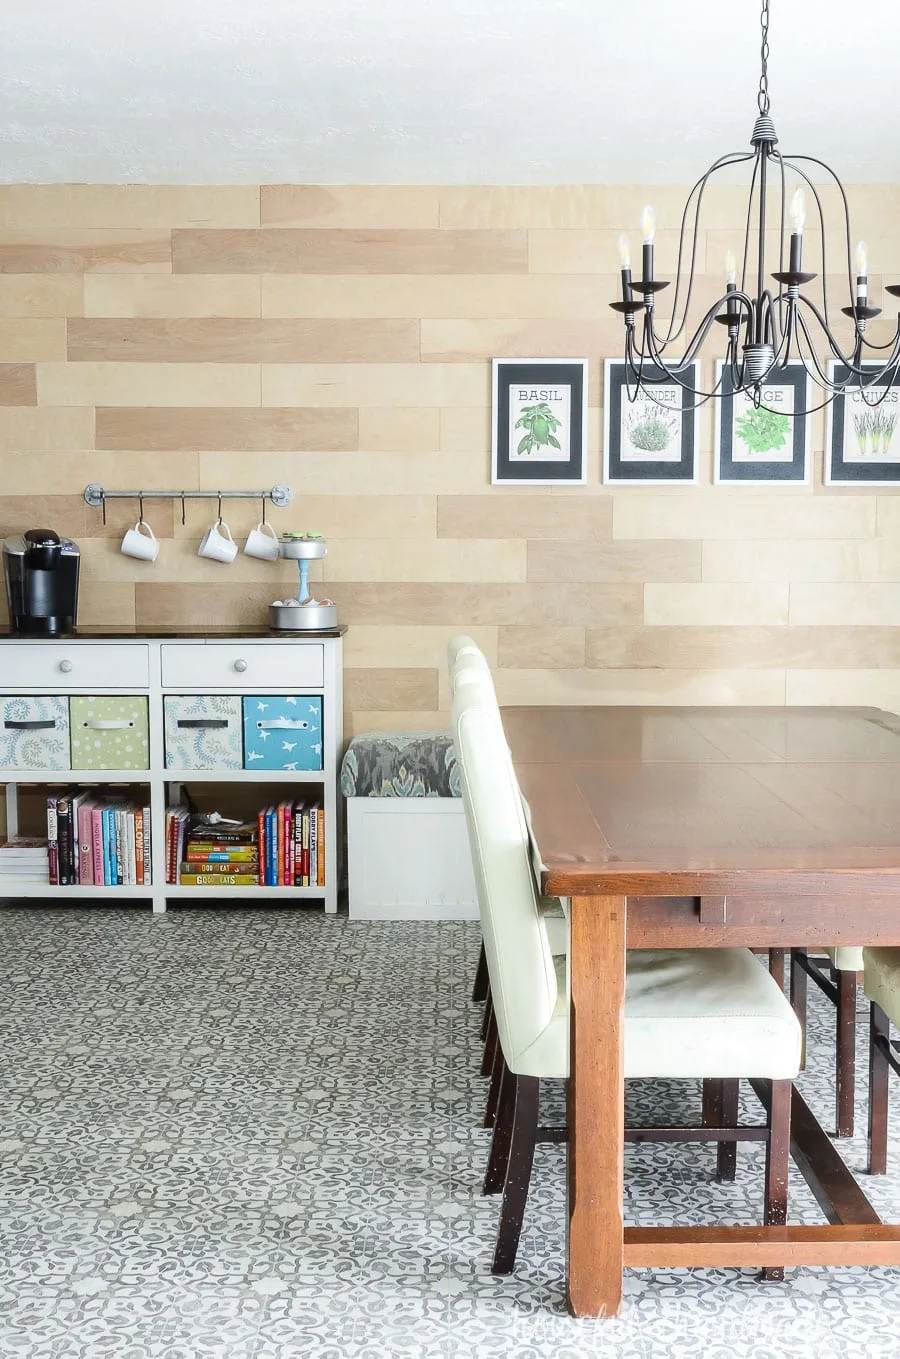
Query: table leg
[(596, 1105)]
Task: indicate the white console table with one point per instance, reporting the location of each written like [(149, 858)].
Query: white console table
[(168, 664)]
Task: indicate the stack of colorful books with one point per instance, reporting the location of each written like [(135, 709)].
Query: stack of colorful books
[(292, 844), (217, 853), (97, 840)]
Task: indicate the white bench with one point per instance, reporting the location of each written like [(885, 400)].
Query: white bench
[(407, 847)]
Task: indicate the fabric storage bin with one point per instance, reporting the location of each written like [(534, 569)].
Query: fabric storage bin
[(109, 733), (203, 731), (34, 732), (408, 852), (282, 733)]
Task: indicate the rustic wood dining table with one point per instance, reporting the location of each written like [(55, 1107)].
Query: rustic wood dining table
[(705, 827)]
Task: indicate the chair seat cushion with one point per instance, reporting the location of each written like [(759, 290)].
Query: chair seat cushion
[(689, 1014), (882, 979), (846, 959), (400, 764)]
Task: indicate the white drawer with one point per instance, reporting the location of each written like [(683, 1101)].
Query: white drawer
[(74, 665), (239, 664)]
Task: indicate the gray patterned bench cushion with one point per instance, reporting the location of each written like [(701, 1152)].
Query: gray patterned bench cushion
[(400, 764)]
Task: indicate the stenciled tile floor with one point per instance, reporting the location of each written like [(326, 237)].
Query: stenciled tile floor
[(256, 1134)]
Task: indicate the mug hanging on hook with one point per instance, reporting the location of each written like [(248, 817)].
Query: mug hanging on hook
[(262, 541)]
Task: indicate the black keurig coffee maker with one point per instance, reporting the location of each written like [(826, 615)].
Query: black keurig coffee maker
[(41, 572)]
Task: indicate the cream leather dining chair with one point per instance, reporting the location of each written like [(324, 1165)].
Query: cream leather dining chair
[(689, 1014), (881, 979)]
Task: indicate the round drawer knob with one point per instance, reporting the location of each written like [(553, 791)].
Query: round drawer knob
[(65, 667), (240, 666)]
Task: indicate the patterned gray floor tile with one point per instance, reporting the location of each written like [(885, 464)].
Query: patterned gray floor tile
[(256, 1135)]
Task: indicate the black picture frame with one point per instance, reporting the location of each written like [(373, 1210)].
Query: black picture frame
[(562, 386), (623, 462), (842, 468), (731, 467)]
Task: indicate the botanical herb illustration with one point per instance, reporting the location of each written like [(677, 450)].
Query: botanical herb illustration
[(651, 433), (763, 430), (874, 432), (541, 424)]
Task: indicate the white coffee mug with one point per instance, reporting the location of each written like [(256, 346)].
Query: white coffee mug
[(262, 542), (141, 544), (218, 543)]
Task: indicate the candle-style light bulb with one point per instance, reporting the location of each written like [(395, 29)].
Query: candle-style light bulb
[(861, 260), (798, 211), (624, 252), (648, 224), (730, 267)]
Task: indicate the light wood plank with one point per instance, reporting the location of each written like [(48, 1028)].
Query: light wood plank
[(323, 251), (242, 430), (239, 340)]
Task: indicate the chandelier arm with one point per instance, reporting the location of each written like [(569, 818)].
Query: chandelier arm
[(699, 188), (705, 325), (813, 160), (747, 223), (780, 300), (811, 362), (835, 348)]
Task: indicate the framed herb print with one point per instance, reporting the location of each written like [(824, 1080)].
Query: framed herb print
[(539, 422), (652, 439), (862, 441), (766, 444)]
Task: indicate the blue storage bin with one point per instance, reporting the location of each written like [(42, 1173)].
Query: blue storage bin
[(282, 733)]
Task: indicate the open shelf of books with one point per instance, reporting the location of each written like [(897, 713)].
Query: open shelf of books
[(284, 846)]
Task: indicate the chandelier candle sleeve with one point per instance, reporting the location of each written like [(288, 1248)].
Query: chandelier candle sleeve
[(862, 274), (625, 262), (648, 228)]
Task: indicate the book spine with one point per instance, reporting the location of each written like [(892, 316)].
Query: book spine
[(97, 843), (190, 866), (261, 844), (170, 845), (85, 844), (291, 866), (313, 839), (297, 875), (113, 847), (320, 847), (286, 863), (139, 846), (306, 848), (130, 827), (271, 846), (148, 846), (219, 879), (62, 836), (52, 845), (107, 852), (218, 856), (279, 845)]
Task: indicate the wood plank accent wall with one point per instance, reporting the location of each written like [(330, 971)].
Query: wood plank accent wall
[(339, 339)]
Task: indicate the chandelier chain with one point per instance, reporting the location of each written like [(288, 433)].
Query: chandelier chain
[(762, 98)]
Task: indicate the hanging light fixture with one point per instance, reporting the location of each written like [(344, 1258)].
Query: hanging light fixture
[(767, 327)]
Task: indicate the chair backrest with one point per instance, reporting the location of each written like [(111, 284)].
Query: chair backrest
[(520, 963)]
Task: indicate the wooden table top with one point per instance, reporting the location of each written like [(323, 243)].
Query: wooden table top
[(672, 801)]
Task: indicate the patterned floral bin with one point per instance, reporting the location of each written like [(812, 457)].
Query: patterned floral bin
[(203, 731), (34, 732), (109, 733), (282, 733)]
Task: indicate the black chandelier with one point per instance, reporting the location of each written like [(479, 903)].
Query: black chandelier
[(777, 325)]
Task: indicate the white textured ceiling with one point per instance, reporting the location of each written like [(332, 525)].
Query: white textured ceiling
[(415, 91)]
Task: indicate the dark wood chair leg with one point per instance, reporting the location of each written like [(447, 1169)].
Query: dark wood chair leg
[(711, 1116), (500, 1142), (845, 1053), (778, 1150), (726, 1153), (879, 1072), (518, 1174), (490, 1040), (480, 989), (490, 1050), (776, 965), (798, 998), (493, 1099), (487, 1017)]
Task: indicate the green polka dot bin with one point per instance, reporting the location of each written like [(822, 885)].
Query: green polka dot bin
[(109, 732)]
